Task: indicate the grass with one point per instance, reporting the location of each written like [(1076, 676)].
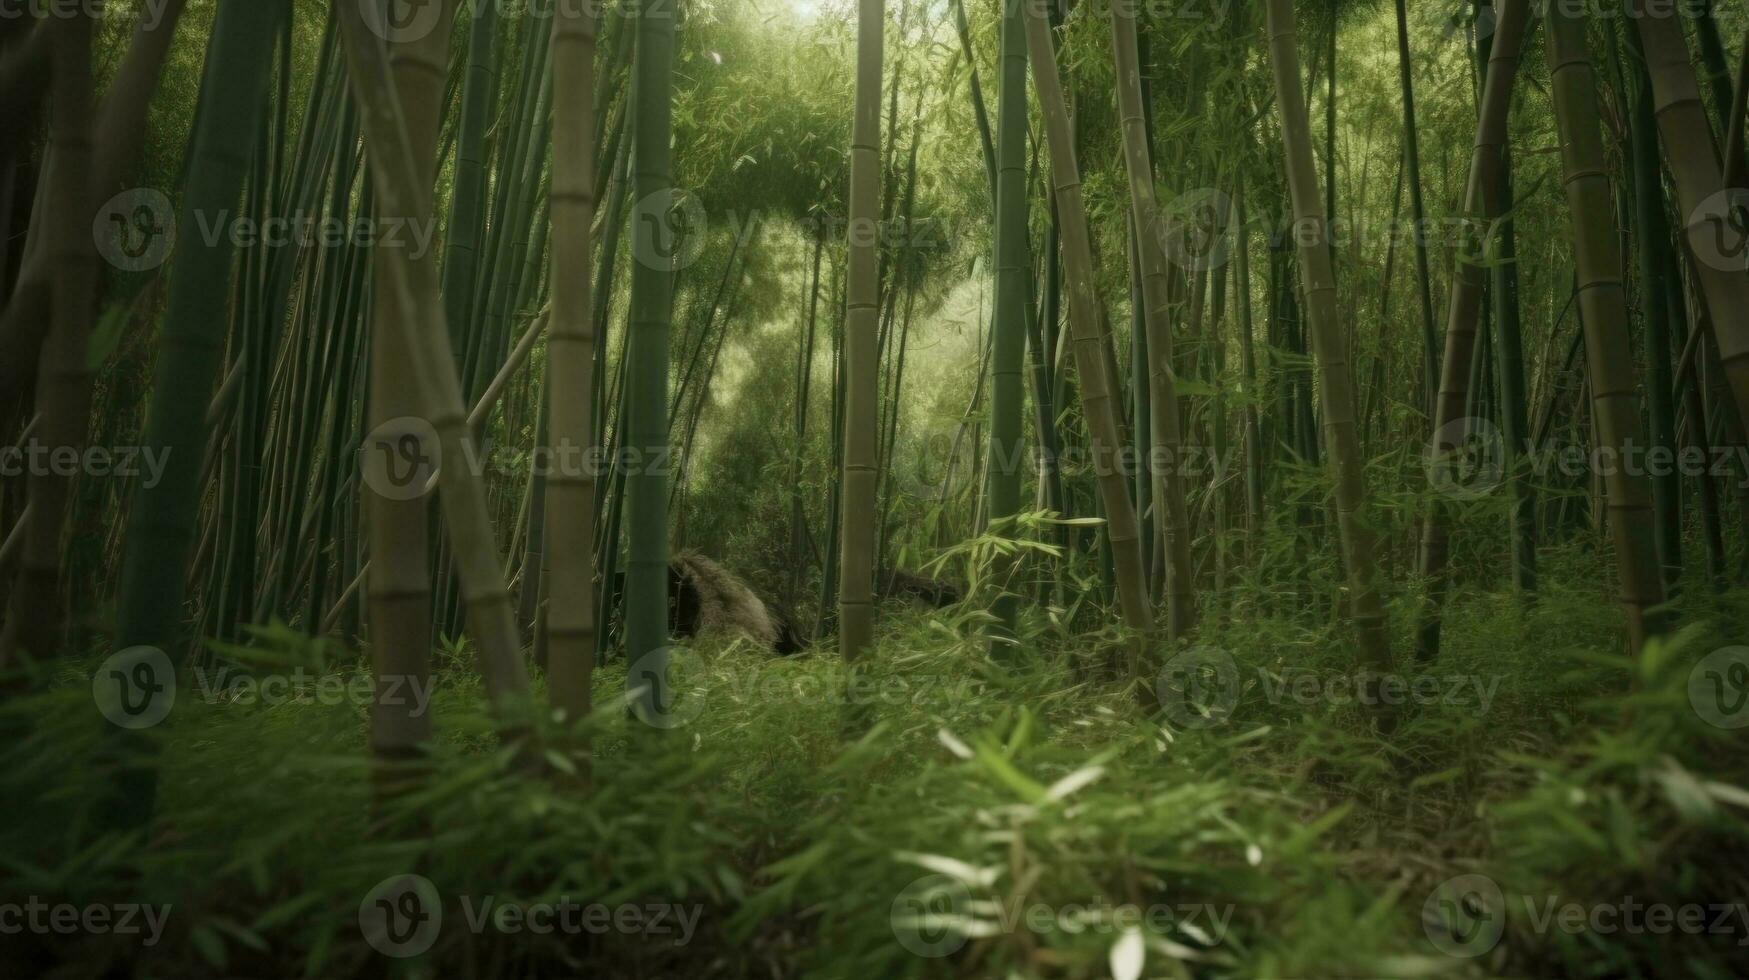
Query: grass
[(964, 820)]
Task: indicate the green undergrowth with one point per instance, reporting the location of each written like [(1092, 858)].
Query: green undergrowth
[(946, 817)]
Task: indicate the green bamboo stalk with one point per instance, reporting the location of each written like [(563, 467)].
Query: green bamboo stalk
[(161, 517), (1366, 606), (653, 249), (1652, 247), (1165, 425), (1092, 343), (570, 623), (1453, 426), (1700, 190), (468, 198), (1604, 316), (403, 188), (1417, 209), (861, 344)]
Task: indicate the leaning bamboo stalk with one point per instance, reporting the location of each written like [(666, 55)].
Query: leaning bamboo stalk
[(401, 189), (861, 351), (570, 491), (1165, 458), (1329, 344), (488, 399), (1090, 341), (1604, 316), (1701, 191), (1482, 205)]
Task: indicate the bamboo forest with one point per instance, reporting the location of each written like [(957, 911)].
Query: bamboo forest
[(874, 489)]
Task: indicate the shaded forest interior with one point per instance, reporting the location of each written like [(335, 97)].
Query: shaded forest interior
[(874, 488)]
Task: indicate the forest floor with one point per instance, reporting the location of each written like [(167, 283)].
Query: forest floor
[(1525, 815)]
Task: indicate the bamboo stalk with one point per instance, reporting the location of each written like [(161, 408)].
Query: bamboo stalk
[(861, 350), (1091, 342), (1701, 192), (1366, 606), (1166, 451), (401, 189), (1604, 317), (570, 491), (36, 616), (1452, 426)]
